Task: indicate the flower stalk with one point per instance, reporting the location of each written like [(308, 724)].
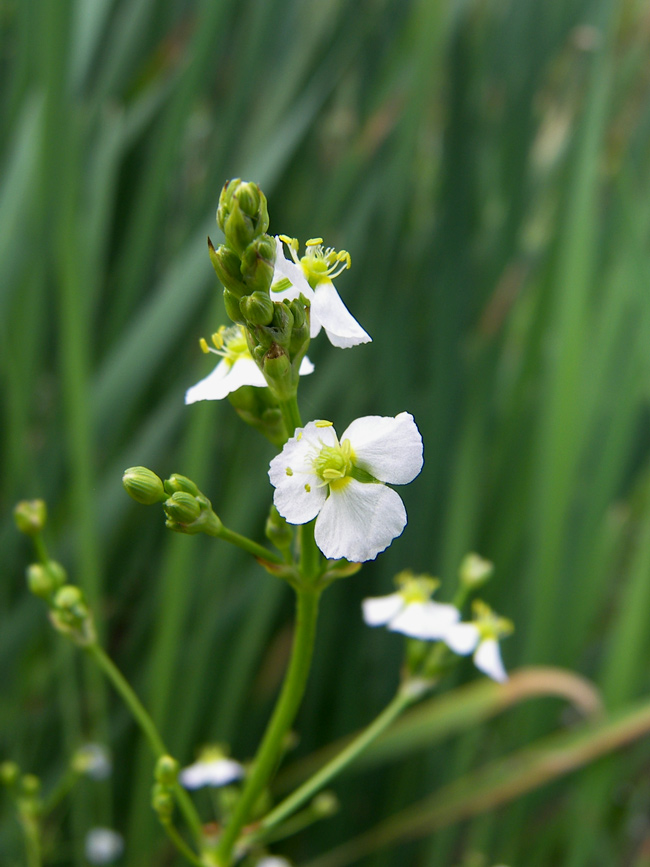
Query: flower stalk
[(281, 721)]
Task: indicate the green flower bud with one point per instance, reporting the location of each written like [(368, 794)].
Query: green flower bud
[(242, 214), (30, 516), (166, 771), (233, 310), (182, 508), (227, 264), (162, 801), (9, 773), (475, 571), (30, 785), (143, 485), (325, 804), (257, 308), (258, 408), (278, 531), (71, 606), (278, 372), (257, 264), (45, 579), (176, 483)]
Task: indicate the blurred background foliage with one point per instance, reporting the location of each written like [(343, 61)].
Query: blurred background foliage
[(486, 164)]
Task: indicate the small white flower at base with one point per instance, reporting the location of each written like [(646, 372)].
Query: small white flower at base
[(213, 768), (103, 846), (235, 370), (273, 861), (482, 638), (93, 760), (343, 483), (410, 610), (292, 278)]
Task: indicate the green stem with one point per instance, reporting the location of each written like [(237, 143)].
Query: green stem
[(32, 842), (248, 545), (63, 788), (400, 702), (148, 727), (283, 716), (290, 415), (181, 845), (310, 559)]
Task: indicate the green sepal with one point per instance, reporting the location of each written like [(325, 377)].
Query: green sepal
[(258, 408), (176, 482), (257, 308), (340, 569), (257, 264), (227, 265), (233, 310)]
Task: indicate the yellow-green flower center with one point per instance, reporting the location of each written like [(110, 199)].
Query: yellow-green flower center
[(415, 588), (333, 464), (229, 343), (319, 263)]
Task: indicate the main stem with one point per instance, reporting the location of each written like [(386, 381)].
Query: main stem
[(284, 714)]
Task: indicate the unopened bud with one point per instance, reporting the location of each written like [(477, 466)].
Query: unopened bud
[(143, 485), (278, 372), (166, 770), (278, 531), (242, 214), (227, 265), (162, 801), (30, 516), (176, 483), (475, 571), (31, 785), (233, 310), (325, 804), (70, 605), (257, 308), (9, 773), (257, 264), (182, 508), (45, 579)]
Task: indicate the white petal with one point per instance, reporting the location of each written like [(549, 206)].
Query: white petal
[(390, 449), (328, 310), (273, 861), (215, 773), (378, 610), (488, 660), (462, 638), (425, 620), (286, 269), (295, 502), (306, 367), (359, 521), (226, 378)]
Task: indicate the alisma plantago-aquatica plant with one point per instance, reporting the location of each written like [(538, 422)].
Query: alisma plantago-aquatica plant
[(336, 491)]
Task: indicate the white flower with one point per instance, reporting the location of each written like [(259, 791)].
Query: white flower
[(273, 861), (292, 278), (410, 610), (235, 370), (213, 768), (93, 760), (482, 638), (343, 482), (103, 846)]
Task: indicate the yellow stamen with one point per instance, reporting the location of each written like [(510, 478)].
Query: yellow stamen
[(314, 242), (323, 423), (289, 471), (203, 343)]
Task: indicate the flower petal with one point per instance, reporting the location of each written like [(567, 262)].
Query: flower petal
[(299, 492), (358, 521), (224, 379), (306, 367), (390, 449), (286, 269), (328, 310), (103, 846), (215, 773), (378, 610), (426, 620), (488, 660), (462, 638)]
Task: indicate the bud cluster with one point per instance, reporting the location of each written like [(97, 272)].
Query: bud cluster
[(187, 510), (162, 793), (277, 331)]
